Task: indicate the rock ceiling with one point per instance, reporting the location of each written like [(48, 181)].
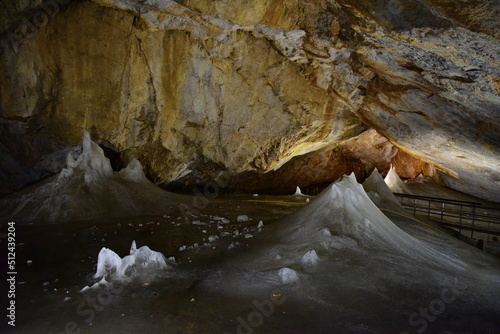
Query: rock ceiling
[(194, 87)]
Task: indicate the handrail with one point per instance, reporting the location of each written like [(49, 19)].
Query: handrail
[(471, 216), (436, 199)]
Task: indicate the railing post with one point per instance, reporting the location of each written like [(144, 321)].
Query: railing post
[(473, 219), (442, 211), (460, 220)]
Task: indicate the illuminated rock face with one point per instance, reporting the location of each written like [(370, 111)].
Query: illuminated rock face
[(222, 84)]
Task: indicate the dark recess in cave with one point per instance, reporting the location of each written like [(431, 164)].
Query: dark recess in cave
[(114, 157)]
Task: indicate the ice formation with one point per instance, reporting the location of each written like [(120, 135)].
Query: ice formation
[(288, 275), (340, 231), (380, 194), (298, 192), (242, 218), (213, 238), (142, 264), (395, 183), (309, 260), (89, 188), (92, 162), (345, 210)]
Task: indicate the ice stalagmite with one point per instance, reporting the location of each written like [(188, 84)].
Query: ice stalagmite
[(91, 162), (395, 183), (89, 188), (341, 229), (142, 265), (298, 192), (380, 194)]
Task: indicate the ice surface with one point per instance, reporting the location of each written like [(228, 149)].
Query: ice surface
[(395, 183), (143, 264), (338, 262), (288, 275), (88, 188)]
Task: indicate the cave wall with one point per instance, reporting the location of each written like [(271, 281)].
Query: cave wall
[(224, 85)]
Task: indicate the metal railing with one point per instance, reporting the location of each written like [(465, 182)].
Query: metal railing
[(460, 215)]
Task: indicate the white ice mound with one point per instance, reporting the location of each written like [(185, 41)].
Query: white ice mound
[(91, 162), (340, 239), (288, 275), (143, 265), (298, 192), (380, 194), (133, 172), (89, 188), (309, 260), (395, 183), (344, 218), (345, 210), (242, 218)]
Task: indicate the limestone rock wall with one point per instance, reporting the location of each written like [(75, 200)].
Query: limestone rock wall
[(249, 87)]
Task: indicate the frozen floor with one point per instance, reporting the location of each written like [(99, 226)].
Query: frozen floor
[(237, 264), (386, 276)]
